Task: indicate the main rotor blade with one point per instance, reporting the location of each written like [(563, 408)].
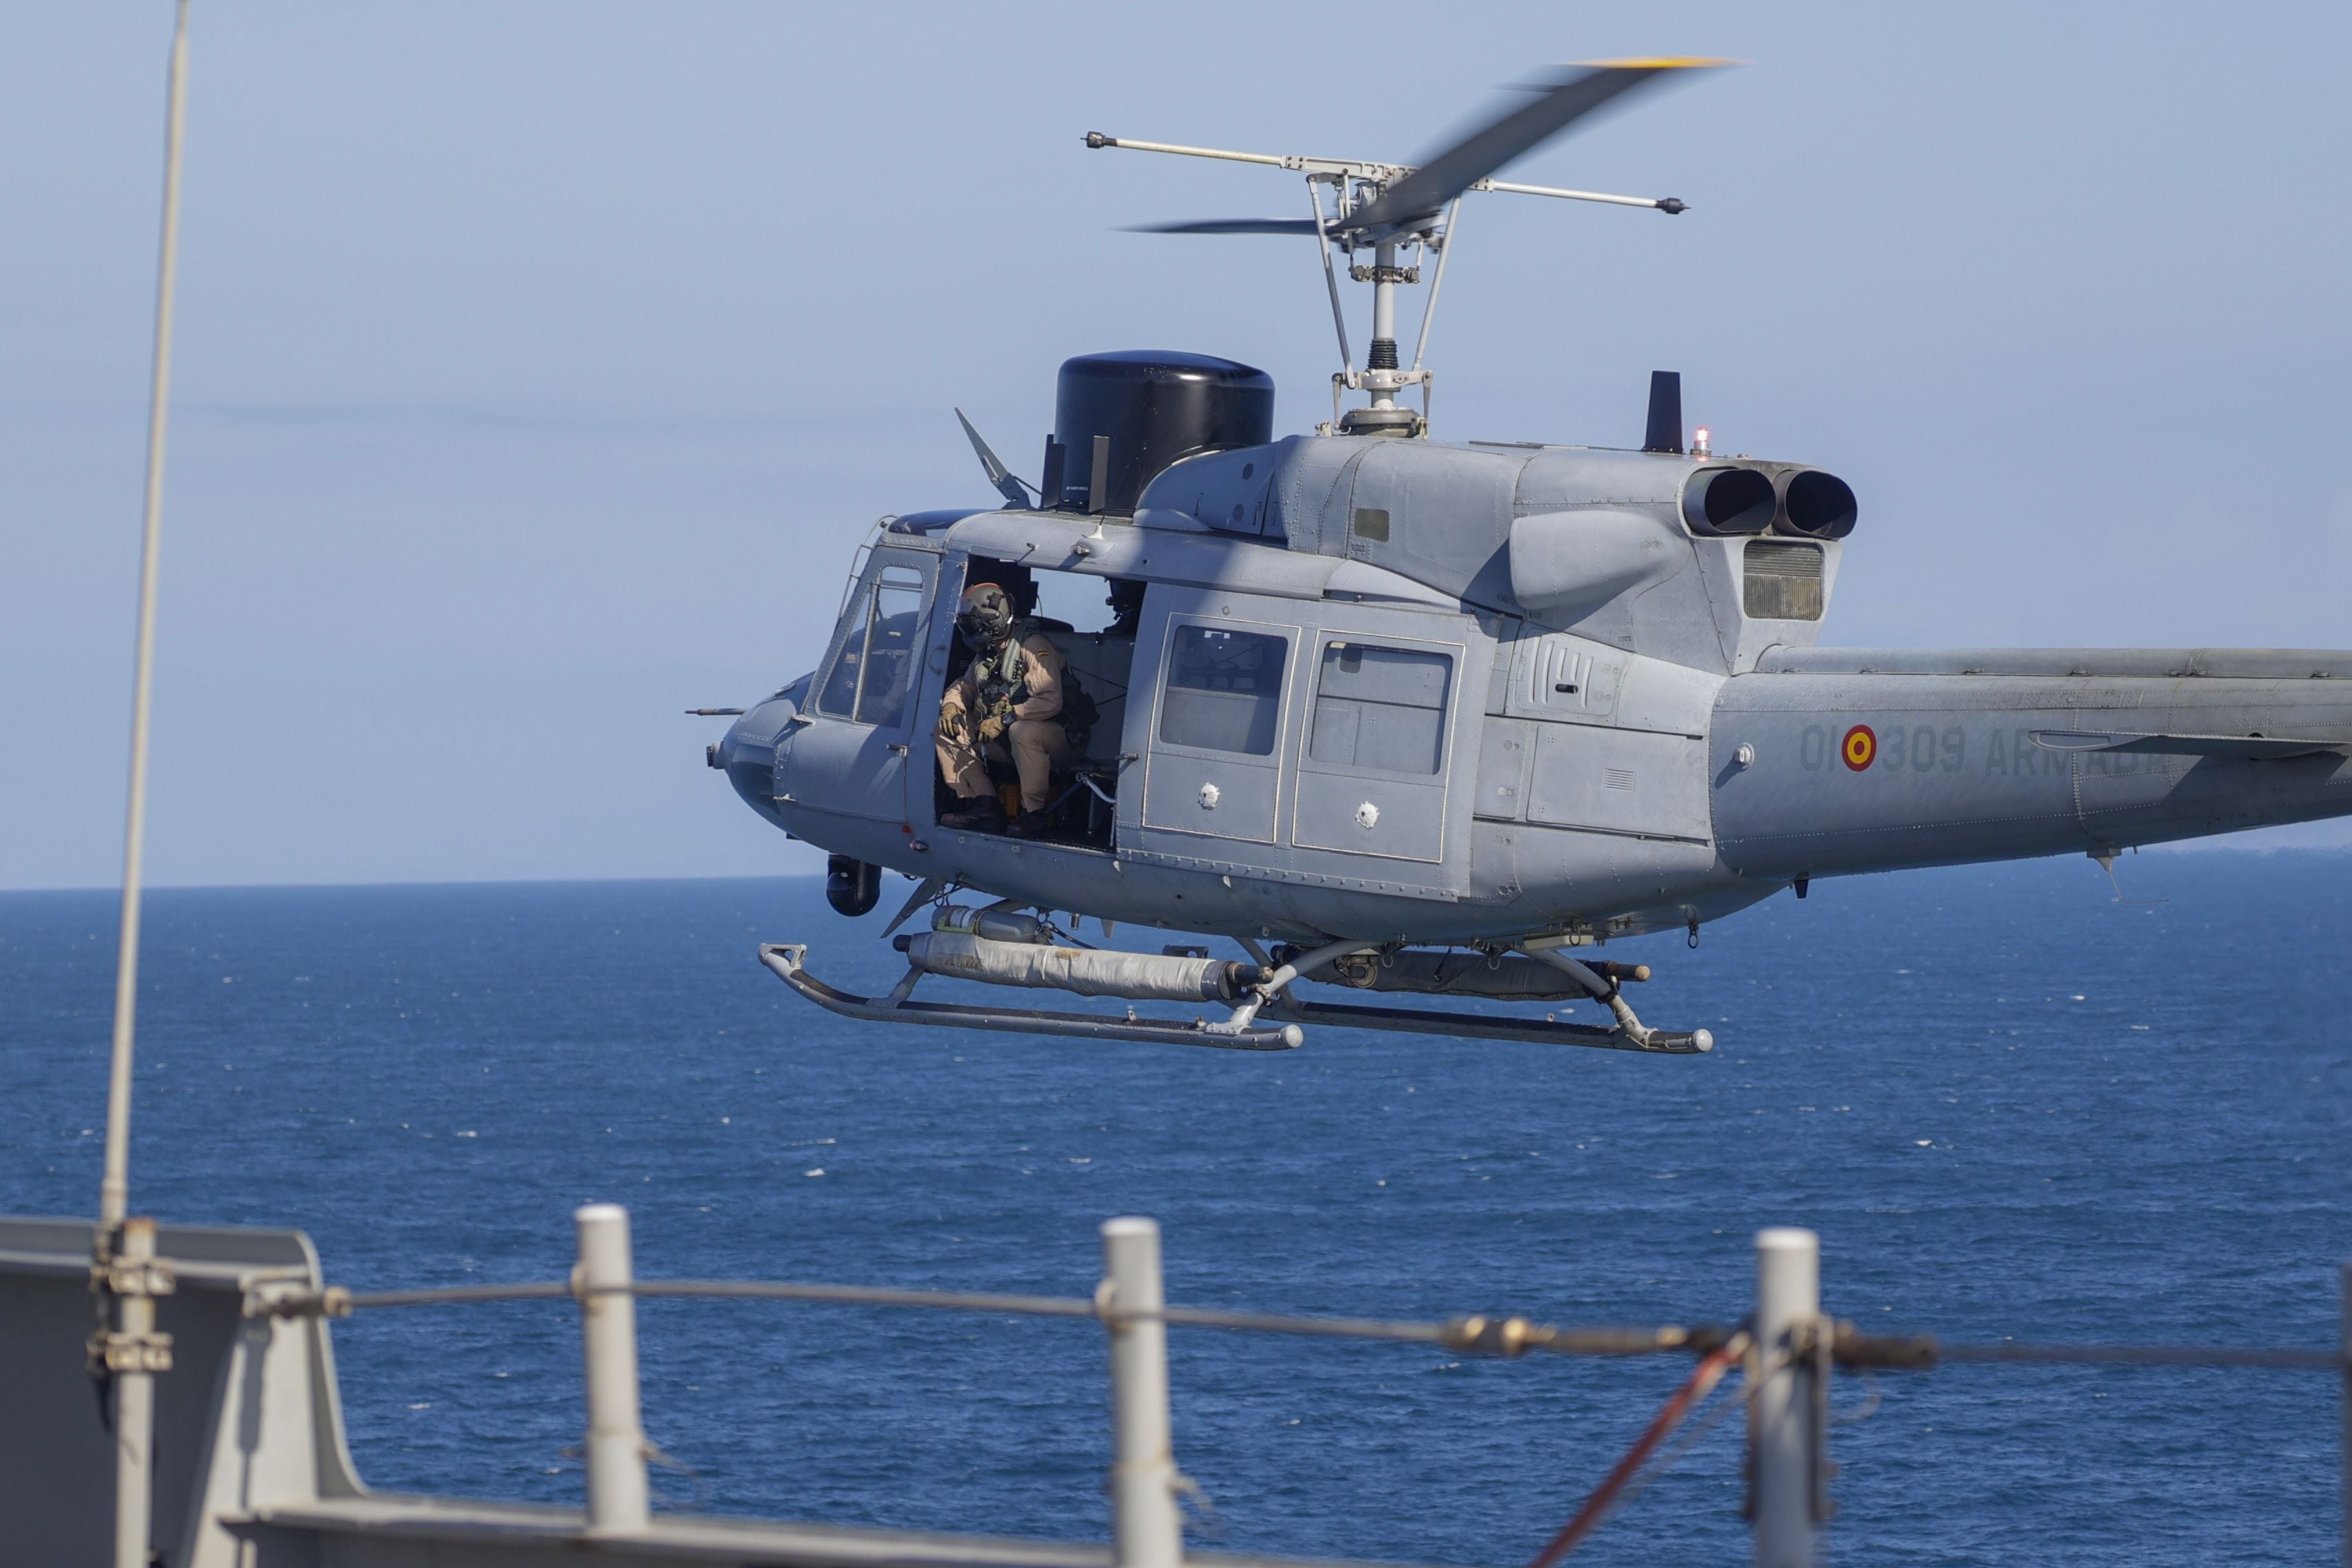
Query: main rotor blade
[(1423, 193), (1230, 226)]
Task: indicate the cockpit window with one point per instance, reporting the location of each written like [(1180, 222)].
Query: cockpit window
[(873, 672), (889, 674)]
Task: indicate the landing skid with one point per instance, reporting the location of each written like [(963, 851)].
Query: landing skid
[(787, 958), (1244, 1033), (1541, 1031)]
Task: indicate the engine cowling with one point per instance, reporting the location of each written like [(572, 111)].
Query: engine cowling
[(1570, 563)]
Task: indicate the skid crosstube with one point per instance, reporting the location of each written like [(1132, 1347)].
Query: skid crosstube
[(787, 961)]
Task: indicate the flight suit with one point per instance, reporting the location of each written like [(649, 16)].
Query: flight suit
[(973, 722)]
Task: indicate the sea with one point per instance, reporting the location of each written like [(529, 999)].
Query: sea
[(2018, 1103)]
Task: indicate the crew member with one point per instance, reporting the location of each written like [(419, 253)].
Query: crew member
[(1007, 706)]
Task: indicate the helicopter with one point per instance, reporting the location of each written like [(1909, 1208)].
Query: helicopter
[(1412, 717)]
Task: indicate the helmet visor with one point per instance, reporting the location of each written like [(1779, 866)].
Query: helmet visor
[(985, 614)]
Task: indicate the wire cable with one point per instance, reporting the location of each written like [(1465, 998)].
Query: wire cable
[(1612, 1487)]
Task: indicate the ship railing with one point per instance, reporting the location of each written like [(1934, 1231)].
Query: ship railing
[(1786, 1352)]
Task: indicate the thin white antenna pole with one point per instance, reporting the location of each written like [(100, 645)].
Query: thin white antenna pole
[(1429, 311), (130, 1349), (115, 1187)]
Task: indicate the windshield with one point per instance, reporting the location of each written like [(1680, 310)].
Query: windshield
[(873, 672)]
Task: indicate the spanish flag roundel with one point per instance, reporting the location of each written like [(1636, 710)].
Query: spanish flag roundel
[(1860, 748)]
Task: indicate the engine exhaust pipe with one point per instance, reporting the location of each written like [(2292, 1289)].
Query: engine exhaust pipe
[(1814, 505), (1728, 501)]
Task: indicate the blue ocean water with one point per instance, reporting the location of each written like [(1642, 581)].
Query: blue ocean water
[(2011, 1106)]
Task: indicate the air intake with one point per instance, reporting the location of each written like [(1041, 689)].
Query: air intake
[(1120, 418), (1781, 581)]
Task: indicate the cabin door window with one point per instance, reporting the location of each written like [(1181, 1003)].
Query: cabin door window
[(1372, 780), (1216, 739)]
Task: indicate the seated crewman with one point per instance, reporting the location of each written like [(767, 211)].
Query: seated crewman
[(1007, 705)]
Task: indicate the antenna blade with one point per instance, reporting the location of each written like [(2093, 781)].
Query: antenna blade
[(1423, 193), (994, 466), (1230, 226), (1666, 423)]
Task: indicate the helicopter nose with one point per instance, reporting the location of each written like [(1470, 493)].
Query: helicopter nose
[(748, 766), (748, 754)]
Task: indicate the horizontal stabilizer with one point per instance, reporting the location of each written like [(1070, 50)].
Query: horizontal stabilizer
[(2252, 748)]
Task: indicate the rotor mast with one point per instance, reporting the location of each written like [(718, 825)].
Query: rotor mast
[(1384, 375), (1386, 207)]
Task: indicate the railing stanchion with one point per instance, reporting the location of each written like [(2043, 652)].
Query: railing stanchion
[(1146, 1532), (617, 1492), (1780, 1416)]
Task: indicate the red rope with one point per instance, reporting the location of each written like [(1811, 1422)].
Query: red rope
[(1702, 1381)]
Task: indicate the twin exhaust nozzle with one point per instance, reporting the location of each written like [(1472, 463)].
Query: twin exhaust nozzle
[(1758, 497), (1804, 503)]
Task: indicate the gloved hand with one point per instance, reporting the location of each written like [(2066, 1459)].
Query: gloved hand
[(993, 727)]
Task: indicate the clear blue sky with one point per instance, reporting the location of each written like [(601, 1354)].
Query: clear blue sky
[(541, 364)]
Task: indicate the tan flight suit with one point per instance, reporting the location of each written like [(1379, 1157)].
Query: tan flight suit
[(1035, 736)]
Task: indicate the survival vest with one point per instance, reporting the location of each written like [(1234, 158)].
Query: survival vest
[(999, 680)]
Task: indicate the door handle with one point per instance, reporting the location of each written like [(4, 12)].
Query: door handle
[(897, 746)]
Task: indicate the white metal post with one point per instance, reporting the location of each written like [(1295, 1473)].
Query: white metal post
[(1787, 1300), (134, 1397), (1146, 1532), (608, 1334)]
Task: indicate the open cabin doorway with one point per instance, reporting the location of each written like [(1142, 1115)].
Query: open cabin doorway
[(1091, 622)]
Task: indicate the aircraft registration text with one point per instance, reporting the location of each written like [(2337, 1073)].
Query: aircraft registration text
[(1928, 748)]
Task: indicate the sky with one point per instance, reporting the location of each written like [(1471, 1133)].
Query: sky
[(540, 366)]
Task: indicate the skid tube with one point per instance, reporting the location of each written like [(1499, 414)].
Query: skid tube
[(787, 960), (1472, 1025)]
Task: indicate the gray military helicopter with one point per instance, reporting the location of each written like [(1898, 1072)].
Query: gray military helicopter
[(1405, 716)]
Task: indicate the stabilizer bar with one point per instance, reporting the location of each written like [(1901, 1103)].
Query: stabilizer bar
[(787, 958)]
